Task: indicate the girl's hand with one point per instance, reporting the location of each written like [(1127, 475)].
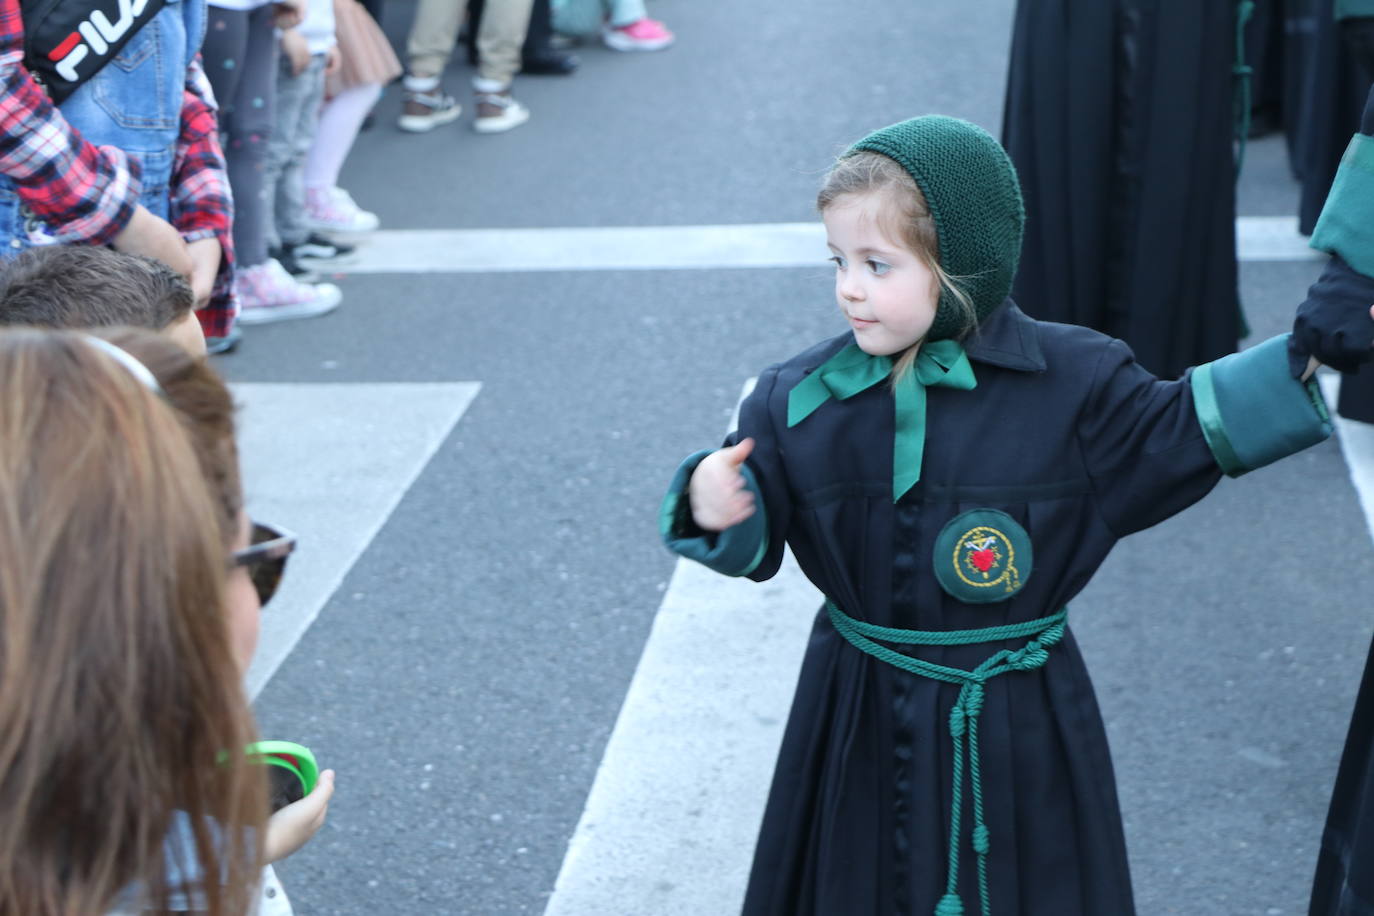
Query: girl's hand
[(716, 492), (293, 826), (294, 46), (333, 58), (287, 14), (205, 256)]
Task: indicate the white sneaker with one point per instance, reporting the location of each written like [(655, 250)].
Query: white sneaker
[(423, 111), (497, 112), (267, 293), (334, 210)]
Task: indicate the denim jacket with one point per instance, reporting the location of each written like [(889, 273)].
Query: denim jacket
[(134, 103)]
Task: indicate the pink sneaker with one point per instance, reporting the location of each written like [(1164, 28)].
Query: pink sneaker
[(334, 210), (644, 35), (266, 292)]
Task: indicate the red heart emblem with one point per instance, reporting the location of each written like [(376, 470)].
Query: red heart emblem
[(983, 560)]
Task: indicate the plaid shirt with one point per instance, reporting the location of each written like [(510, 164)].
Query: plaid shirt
[(88, 193)]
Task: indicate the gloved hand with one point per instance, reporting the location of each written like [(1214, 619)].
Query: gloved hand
[(1334, 323)]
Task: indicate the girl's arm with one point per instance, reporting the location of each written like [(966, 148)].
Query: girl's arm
[(1153, 448), (728, 508), (201, 206)]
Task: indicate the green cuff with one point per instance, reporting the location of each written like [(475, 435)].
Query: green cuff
[(1253, 412), (1346, 226), (736, 551), (1350, 9)]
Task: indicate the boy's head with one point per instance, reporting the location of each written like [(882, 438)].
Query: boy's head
[(954, 200), (82, 286)]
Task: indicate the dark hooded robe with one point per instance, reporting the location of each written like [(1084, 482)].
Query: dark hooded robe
[(1065, 445), (1344, 882), (1337, 309), (1119, 116), (1333, 84)]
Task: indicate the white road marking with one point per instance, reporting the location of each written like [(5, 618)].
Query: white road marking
[(1272, 238), (1258, 238), (1357, 444), (331, 462), (671, 819), (613, 248), (672, 816)]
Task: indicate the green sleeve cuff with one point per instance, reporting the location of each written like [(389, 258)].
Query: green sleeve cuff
[(736, 551), (1346, 226), (1253, 412), (1350, 9)]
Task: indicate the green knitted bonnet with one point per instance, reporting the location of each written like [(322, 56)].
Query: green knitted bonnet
[(970, 185)]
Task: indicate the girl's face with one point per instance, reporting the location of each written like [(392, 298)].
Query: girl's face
[(885, 290), (241, 602)]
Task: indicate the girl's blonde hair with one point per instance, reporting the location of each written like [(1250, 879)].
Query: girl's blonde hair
[(907, 222), (121, 711)]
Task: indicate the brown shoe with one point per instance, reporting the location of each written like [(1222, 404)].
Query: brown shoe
[(497, 112), (423, 111)]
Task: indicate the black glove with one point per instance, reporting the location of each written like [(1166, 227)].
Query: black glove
[(1334, 323)]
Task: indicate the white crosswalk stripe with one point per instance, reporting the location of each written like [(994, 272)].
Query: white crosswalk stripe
[(1258, 238), (330, 463)]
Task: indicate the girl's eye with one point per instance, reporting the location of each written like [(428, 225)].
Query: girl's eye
[(878, 267), (837, 261)]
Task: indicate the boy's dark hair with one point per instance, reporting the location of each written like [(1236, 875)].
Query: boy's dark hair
[(82, 286)]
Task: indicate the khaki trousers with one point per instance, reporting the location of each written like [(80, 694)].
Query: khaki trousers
[(435, 29)]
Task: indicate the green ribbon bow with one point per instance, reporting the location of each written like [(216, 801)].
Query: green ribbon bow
[(850, 371)]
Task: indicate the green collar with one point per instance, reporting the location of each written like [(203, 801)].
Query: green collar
[(850, 371)]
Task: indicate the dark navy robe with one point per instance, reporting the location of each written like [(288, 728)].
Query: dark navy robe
[(1068, 435)]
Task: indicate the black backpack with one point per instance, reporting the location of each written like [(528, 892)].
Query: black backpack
[(66, 42)]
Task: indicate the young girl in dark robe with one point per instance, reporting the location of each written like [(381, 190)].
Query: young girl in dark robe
[(950, 473)]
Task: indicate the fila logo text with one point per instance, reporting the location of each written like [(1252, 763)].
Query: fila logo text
[(98, 34)]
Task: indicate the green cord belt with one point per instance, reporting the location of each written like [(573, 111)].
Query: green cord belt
[(963, 718)]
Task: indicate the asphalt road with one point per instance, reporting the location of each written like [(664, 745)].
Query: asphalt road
[(466, 673)]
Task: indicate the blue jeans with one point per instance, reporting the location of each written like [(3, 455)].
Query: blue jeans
[(133, 103)]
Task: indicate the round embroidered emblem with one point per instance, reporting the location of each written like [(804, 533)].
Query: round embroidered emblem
[(983, 556)]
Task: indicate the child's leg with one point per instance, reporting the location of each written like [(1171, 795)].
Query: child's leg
[(625, 12), (432, 35), (338, 126), (240, 60), (499, 39), (298, 106), (226, 40)]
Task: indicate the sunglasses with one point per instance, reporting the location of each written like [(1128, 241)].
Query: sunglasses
[(265, 559)]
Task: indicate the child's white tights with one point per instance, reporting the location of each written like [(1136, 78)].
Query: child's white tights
[(340, 119)]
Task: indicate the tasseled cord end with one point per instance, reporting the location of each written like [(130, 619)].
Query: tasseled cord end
[(950, 905)]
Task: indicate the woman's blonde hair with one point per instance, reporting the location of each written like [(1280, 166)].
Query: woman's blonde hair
[(907, 222), (121, 710)]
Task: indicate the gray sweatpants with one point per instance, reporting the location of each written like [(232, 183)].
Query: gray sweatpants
[(298, 113)]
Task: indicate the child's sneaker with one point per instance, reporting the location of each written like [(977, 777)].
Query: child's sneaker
[(317, 247), (268, 293), (423, 111), (642, 35), (216, 346), (333, 209), (497, 112), (287, 259)]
